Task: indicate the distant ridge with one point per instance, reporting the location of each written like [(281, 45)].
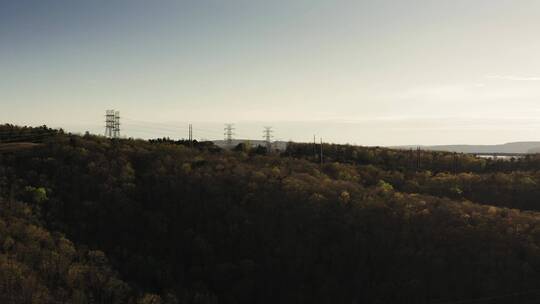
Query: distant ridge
[(513, 147)]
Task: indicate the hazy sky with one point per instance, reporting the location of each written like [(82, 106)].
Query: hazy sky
[(366, 72)]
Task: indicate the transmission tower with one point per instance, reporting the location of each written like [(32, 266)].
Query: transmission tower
[(267, 135), (116, 133), (229, 132), (112, 124), (109, 123)]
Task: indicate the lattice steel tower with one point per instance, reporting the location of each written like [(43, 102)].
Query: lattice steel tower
[(229, 132), (267, 135), (112, 124), (116, 133), (109, 123)]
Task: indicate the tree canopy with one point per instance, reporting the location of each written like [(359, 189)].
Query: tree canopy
[(93, 220)]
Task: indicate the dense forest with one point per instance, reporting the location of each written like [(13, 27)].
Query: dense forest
[(86, 219)]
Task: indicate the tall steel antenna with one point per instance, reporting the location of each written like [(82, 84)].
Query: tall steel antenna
[(109, 123), (116, 130), (267, 135), (229, 132)]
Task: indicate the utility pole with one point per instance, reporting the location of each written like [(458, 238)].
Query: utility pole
[(229, 132), (314, 147), (455, 162), (267, 135), (418, 153), (191, 135), (411, 159), (322, 159)]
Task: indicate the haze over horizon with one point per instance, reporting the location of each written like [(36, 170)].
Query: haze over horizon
[(363, 72)]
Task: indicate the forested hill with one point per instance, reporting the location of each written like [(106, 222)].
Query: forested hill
[(163, 222)]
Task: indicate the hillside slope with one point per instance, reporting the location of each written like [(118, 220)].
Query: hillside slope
[(208, 226), (37, 266)]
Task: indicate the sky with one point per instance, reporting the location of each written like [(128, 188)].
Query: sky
[(379, 72)]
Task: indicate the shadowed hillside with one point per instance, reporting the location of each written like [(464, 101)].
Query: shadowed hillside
[(205, 225)]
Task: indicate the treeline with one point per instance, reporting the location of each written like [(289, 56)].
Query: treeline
[(11, 133), (200, 145), (411, 160), (198, 225), (512, 184)]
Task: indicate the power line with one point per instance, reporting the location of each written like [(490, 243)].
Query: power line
[(156, 126), (166, 127), (153, 123), (169, 127), (128, 127)]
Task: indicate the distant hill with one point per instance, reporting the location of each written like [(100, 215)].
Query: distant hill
[(513, 147)]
